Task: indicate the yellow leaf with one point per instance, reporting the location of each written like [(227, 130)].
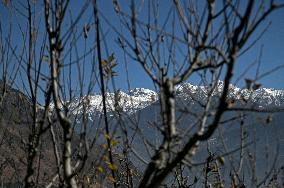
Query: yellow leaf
[(112, 167), (114, 143), (100, 169), (104, 62), (107, 136)]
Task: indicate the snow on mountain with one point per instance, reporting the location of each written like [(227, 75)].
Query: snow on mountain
[(140, 98), (137, 99), (262, 97)]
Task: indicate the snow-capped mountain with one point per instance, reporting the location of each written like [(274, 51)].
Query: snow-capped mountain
[(140, 98), (135, 100), (262, 97)]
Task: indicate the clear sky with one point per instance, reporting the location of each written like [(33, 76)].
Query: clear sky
[(272, 45), (272, 42)]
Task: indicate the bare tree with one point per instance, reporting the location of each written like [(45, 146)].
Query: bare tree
[(64, 59), (206, 49)]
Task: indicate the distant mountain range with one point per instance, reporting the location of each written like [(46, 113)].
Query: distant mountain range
[(140, 98)]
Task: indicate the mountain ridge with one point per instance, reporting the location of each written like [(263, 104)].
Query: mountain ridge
[(139, 98)]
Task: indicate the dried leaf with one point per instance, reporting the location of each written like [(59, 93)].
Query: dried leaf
[(86, 30), (105, 158), (111, 179), (221, 160), (104, 146), (243, 100), (231, 103), (248, 83), (6, 2), (114, 74), (269, 119), (256, 86)]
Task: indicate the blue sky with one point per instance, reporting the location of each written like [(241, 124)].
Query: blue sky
[(272, 56), (272, 45)]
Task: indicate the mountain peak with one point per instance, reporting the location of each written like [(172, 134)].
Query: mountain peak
[(261, 96), (139, 98), (129, 103), (142, 92)]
